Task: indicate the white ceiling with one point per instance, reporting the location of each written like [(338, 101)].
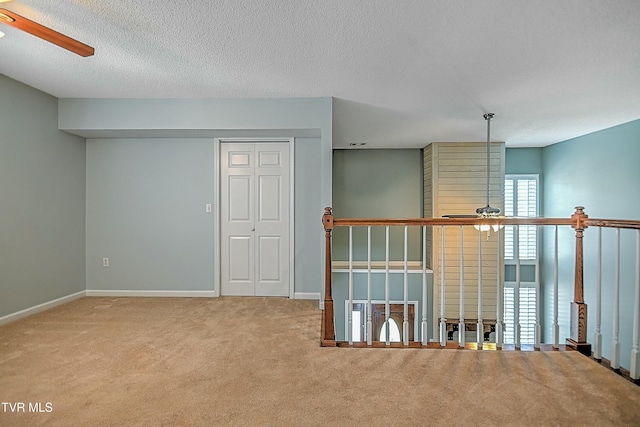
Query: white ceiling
[(404, 73)]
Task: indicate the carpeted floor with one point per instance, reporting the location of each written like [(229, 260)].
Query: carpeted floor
[(257, 362)]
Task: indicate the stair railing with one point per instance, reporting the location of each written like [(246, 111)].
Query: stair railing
[(577, 338)]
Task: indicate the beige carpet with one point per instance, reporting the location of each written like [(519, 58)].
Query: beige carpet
[(257, 362)]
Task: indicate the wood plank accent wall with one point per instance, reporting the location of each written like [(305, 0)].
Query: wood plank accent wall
[(427, 211), (455, 179)]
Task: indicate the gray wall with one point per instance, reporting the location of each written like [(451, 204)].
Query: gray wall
[(600, 172), (42, 201), (377, 184)]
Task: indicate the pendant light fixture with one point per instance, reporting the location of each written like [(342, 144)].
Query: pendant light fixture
[(488, 211)]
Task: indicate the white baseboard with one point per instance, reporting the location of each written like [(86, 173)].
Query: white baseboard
[(306, 295), (40, 307), (310, 295), (130, 293)]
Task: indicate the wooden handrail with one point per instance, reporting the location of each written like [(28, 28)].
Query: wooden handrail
[(451, 221), (585, 221), (613, 223)]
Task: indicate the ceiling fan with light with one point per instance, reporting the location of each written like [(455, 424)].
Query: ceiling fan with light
[(20, 22), (487, 211)]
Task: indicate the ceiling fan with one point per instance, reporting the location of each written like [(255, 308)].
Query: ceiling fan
[(45, 33)]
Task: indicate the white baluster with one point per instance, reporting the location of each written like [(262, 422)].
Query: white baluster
[(537, 328), (480, 325), (500, 296), (556, 326), (405, 322), (597, 340), (634, 372), (425, 330), (350, 306), (461, 325), (443, 320), (386, 289), (516, 290), (369, 307), (615, 344)]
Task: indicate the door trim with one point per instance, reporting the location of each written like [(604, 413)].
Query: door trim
[(218, 212)]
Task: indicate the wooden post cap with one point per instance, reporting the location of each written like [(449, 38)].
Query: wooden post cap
[(327, 219)]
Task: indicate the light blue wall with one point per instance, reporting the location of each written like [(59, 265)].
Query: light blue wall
[(150, 172), (146, 212), (309, 232), (209, 118), (301, 114), (42, 202), (600, 172), (524, 161)]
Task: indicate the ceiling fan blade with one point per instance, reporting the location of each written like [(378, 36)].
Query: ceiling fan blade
[(45, 33)]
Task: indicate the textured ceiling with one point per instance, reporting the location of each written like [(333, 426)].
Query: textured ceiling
[(404, 73)]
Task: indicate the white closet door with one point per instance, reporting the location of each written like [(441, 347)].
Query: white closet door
[(255, 219)]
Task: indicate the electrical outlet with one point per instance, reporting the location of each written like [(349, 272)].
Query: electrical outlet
[(105, 262)]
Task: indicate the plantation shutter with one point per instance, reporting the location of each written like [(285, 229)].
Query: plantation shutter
[(526, 312), (521, 199)]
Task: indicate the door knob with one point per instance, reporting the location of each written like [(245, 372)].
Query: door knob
[(253, 229)]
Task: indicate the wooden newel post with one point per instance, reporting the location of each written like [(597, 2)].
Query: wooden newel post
[(578, 330), (328, 328)]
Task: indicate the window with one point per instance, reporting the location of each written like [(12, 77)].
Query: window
[(521, 199), (394, 331), (527, 314)]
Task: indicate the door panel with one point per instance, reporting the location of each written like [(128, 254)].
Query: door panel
[(269, 159), (240, 198), (240, 248), (255, 218), (239, 159), (269, 200), (269, 262), (237, 195), (272, 218)]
